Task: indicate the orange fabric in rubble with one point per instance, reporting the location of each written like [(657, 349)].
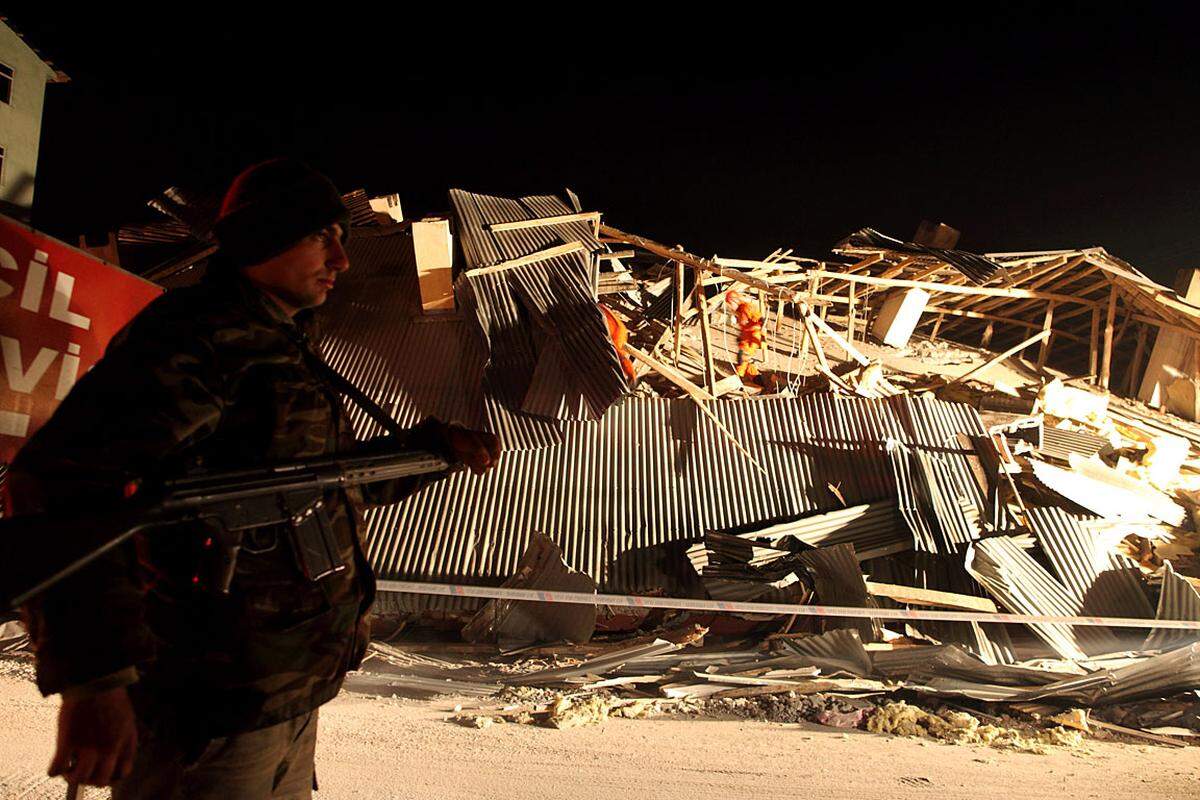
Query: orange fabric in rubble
[(620, 336)]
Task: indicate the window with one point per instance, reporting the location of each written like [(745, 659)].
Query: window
[(1, 166), (6, 83)]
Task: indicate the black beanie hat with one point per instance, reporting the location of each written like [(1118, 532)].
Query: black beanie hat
[(273, 205)]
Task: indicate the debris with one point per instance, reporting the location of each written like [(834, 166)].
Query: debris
[(958, 727), (723, 428), (516, 624), (898, 317), (1059, 400)]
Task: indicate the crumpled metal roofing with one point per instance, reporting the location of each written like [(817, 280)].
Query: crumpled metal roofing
[(941, 506), (1104, 583), (980, 269), (990, 642), (839, 582), (484, 247), (372, 331), (550, 352), (1060, 444), (1178, 599), (653, 471), (1023, 586), (949, 671)]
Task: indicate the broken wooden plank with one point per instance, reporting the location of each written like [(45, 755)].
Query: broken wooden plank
[(991, 362), (1044, 350), (671, 374), (703, 264), (559, 219), (850, 349), (698, 395), (930, 597), (679, 303), (532, 258), (981, 291), (710, 375)]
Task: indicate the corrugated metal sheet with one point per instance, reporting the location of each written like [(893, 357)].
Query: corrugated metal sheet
[(839, 582), (1161, 676), (540, 311), (373, 332), (979, 269), (934, 500), (1023, 586), (557, 295), (1178, 599), (838, 650), (654, 471), (485, 248), (1060, 444), (1103, 582), (990, 642), (873, 528)]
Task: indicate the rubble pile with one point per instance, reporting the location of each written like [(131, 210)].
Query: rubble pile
[(897, 425)]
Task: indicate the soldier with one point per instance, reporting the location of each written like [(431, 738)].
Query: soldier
[(170, 689)]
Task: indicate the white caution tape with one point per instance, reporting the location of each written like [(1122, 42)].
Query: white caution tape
[(638, 601)]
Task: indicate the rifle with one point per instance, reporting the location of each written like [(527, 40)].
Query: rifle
[(38, 550)]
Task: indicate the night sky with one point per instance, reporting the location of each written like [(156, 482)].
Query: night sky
[(1031, 130)]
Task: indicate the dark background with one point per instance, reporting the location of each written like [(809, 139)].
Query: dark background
[(730, 129)]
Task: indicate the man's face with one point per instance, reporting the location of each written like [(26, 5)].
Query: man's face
[(302, 276)]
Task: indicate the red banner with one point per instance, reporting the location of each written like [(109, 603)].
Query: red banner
[(59, 307)]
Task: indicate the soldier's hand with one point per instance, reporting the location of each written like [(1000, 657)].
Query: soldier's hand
[(97, 738), (479, 450)]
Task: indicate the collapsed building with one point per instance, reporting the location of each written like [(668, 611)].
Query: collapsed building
[(898, 425)]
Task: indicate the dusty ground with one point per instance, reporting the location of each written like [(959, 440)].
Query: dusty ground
[(375, 747)]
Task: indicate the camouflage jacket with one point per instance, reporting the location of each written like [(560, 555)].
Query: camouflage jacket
[(213, 375)]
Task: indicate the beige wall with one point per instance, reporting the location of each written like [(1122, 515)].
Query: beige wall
[(21, 120)]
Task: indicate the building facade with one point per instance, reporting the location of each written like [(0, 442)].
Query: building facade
[(23, 78)]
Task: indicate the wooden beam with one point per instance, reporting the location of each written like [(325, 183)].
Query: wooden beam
[(850, 349), (851, 315), (899, 267), (614, 256), (1037, 337), (1044, 350), (710, 376), (696, 262), (670, 373), (698, 395), (1163, 325), (929, 597), (1044, 274), (962, 312), (1106, 353), (560, 219), (679, 301), (532, 258), (1094, 346), (980, 291), (1134, 365), (937, 326)]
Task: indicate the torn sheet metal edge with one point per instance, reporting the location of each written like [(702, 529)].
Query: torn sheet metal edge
[(1021, 584), (596, 666), (1178, 599), (1104, 582)]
